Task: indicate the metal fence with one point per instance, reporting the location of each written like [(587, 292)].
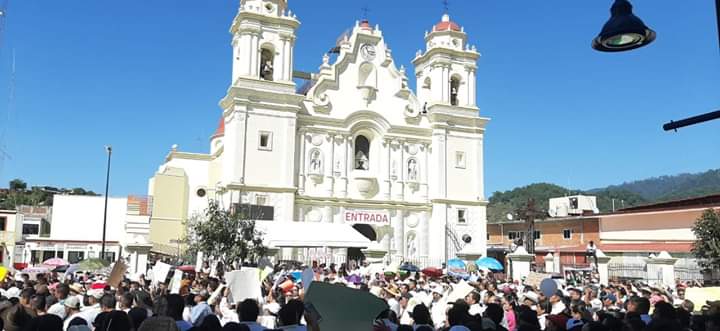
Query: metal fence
[(685, 270)]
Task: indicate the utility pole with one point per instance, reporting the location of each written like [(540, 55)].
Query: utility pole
[(107, 186)]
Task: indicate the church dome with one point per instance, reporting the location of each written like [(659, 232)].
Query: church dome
[(446, 24), (220, 131)]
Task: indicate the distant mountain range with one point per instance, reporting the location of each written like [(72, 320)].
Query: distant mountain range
[(628, 194)]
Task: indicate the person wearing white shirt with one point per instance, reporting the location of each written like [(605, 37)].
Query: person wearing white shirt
[(72, 310), (61, 293), (473, 300), (93, 309), (438, 308)]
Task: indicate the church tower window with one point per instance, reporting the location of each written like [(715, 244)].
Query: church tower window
[(266, 63), (454, 88), (362, 152)]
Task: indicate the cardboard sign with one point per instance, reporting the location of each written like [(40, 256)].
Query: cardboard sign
[(117, 273), (160, 272), (176, 282), (701, 295), (535, 278), (244, 284)]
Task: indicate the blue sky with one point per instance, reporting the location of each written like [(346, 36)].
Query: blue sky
[(143, 75)]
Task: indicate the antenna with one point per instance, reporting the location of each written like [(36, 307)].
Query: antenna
[(11, 103)]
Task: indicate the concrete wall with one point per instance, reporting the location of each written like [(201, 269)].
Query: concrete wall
[(673, 225)]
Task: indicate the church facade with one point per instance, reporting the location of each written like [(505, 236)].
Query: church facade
[(355, 146)]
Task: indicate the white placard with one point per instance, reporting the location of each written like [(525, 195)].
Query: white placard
[(175, 282), (375, 217), (160, 272), (199, 263), (244, 284)]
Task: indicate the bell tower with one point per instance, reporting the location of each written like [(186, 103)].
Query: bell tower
[(446, 70), (263, 41)]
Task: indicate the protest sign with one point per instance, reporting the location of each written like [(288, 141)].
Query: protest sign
[(3, 273), (459, 291), (117, 273), (176, 282), (199, 262), (343, 308), (535, 278), (160, 272), (701, 295), (244, 284)]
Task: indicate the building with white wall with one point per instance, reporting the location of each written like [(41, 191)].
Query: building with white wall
[(76, 231), (356, 147), (10, 233)]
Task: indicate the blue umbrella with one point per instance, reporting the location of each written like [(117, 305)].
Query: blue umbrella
[(489, 263), (409, 267), (456, 268)]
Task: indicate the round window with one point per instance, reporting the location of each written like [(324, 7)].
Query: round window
[(269, 7), (201, 192)]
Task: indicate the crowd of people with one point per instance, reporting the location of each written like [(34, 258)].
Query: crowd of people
[(415, 301)]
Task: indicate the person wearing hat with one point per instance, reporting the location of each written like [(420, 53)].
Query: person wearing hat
[(91, 311), (610, 302), (530, 299), (201, 309), (558, 306), (72, 311), (438, 306)]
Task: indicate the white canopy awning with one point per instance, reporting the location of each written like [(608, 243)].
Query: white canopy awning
[(310, 234)]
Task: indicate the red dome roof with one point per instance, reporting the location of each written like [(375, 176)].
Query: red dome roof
[(220, 131), (446, 24)]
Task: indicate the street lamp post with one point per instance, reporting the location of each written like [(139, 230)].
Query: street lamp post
[(107, 187)]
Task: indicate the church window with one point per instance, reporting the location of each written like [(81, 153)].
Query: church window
[(265, 141), (454, 89), (427, 84), (267, 58), (362, 153), (460, 160)]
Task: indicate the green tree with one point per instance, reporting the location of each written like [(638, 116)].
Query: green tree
[(17, 184), (707, 246), (227, 236)]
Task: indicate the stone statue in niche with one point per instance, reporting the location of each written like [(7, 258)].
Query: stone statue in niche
[(315, 162), (412, 170), (411, 245), (393, 169), (454, 96), (361, 161), (267, 70)]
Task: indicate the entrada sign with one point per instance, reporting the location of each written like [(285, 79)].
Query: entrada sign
[(373, 217)]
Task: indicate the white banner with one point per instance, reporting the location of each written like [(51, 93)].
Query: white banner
[(373, 217)]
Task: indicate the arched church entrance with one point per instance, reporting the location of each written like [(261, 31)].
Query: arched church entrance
[(355, 254)]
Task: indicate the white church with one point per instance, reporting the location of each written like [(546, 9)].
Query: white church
[(354, 164)]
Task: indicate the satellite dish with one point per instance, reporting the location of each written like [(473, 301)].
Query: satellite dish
[(509, 217)]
